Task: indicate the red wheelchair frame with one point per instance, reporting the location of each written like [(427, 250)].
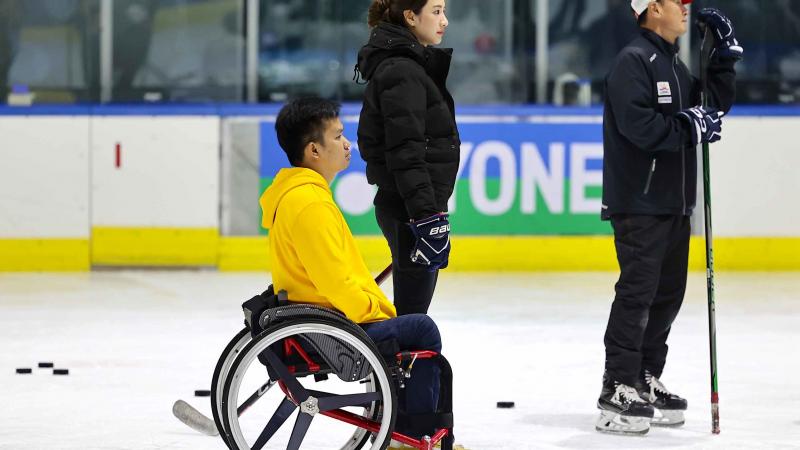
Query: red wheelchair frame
[(291, 345)]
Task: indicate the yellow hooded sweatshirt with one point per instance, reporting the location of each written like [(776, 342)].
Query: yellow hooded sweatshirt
[(313, 255)]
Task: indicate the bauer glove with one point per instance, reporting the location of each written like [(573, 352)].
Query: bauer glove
[(727, 47), (432, 245), (705, 124)]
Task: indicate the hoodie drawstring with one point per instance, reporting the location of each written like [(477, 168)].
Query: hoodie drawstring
[(357, 77)]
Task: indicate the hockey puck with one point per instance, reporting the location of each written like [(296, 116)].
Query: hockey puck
[(505, 404), (60, 371), (202, 393), (24, 370), (45, 365)]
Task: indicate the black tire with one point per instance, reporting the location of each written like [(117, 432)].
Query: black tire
[(220, 373)]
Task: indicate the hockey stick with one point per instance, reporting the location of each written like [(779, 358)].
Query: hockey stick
[(705, 50), (383, 275), (194, 419), (198, 421)]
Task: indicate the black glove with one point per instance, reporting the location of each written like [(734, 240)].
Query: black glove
[(706, 123), (727, 47), (432, 246)]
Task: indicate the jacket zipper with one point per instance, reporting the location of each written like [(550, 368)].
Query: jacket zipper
[(650, 176), (683, 150)]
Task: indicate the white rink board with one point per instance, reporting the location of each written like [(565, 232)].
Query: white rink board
[(44, 177), (168, 174), (58, 176), (755, 178)]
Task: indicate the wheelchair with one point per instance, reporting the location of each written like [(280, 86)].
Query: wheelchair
[(293, 356)]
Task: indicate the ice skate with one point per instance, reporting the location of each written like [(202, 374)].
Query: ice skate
[(622, 411), (669, 407)]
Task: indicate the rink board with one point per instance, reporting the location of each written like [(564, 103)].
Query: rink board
[(152, 186), (517, 176)]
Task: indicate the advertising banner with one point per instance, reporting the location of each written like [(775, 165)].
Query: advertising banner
[(537, 175)]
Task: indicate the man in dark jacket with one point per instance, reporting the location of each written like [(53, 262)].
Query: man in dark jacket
[(651, 127), (408, 137)]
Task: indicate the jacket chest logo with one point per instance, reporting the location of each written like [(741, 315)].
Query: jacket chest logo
[(664, 92)]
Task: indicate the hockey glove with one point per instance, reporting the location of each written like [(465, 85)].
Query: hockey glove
[(727, 47), (432, 245), (705, 123)]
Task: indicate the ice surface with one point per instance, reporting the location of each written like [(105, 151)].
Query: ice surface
[(136, 341)]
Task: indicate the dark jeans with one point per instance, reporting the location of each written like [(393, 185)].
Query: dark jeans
[(413, 332), (413, 283), (653, 255)]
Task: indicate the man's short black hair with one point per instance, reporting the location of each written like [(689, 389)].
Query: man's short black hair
[(302, 121)]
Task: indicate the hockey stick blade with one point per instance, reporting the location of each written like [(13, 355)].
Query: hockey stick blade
[(187, 414)]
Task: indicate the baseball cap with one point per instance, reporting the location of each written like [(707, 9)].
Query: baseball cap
[(640, 5)]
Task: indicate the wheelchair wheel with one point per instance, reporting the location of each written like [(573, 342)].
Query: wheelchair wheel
[(221, 373), (328, 392)]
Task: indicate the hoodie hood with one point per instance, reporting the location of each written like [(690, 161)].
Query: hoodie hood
[(285, 181), (387, 40)]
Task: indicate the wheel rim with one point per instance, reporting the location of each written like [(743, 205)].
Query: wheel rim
[(244, 360), (221, 374)]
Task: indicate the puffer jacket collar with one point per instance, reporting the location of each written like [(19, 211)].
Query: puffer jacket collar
[(388, 40)]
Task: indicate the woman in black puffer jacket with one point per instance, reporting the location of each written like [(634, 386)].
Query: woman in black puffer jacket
[(407, 135)]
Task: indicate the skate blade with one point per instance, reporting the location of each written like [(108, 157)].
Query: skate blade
[(667, 418), (614, 423)]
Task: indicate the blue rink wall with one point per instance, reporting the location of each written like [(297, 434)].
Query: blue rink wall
[(113, 185)]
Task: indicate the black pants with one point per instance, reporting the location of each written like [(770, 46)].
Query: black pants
[(653, 255), (413, 283)]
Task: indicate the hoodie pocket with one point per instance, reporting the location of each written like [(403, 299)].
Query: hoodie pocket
[(650, 174)]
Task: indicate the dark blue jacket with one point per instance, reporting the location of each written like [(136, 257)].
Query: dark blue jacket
[(649, 164)]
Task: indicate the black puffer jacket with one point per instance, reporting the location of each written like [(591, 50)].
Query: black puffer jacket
[(649, 164), (407, 131)]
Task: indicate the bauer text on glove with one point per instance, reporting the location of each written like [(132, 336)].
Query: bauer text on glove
[(432, 245)]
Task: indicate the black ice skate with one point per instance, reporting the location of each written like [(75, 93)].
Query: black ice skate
[(622, 411), (669, 407)]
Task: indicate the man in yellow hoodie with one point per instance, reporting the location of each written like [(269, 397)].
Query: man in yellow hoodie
[(313, 255)]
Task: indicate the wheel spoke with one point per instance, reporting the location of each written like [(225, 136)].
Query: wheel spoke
[(283, 412), (299, 431), (297, 390), (340, 401)]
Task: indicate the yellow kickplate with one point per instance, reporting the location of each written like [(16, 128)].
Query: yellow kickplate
[(541, 253), (114, 246), (44, 255), (193, 247)]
